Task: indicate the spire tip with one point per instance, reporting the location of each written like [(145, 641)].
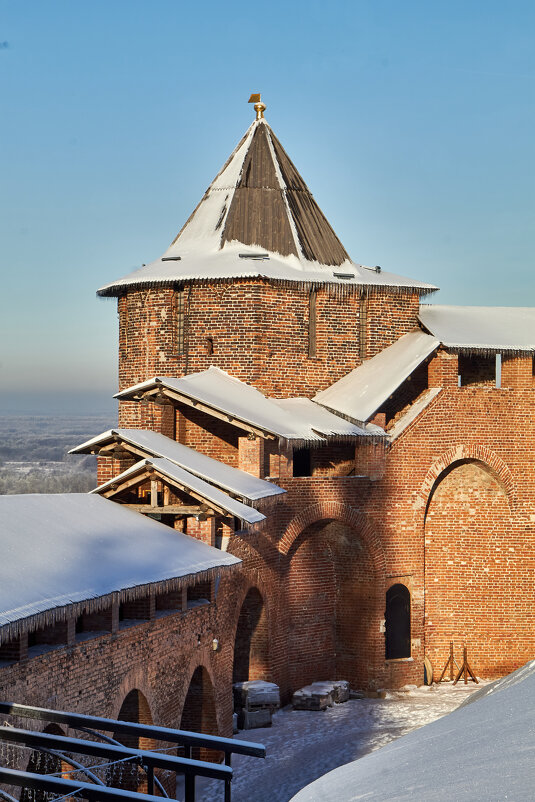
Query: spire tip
[(259, 107)]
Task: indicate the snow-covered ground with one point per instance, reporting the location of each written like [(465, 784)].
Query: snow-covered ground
[(482, 752), (303, 745)]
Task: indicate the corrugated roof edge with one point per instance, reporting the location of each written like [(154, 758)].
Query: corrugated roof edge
[(488, 349), (117, 288), (10, 630)]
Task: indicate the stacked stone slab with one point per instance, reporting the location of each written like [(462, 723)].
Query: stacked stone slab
[(255, 702), (321, 695)]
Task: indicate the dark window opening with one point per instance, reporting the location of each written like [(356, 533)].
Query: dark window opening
[(312, 316), (398, 622), (476, 370), (52, 637), (302, 462), (11, 651), (170, 602), (209, 345), (90, 625)]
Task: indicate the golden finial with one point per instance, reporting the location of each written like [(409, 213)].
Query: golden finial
[(259, 107)]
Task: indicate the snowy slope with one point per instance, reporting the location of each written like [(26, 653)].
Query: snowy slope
[(485, 750)]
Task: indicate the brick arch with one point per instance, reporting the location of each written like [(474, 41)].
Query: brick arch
[(135, 680), (334, 511), (334, 596), (252, 635), (461, 453)]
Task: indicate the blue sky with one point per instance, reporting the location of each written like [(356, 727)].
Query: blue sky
[(412, 124)]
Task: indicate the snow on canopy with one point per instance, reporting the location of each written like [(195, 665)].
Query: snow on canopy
[(153, 444), (359, 394), (484, 750), (481, 328), (325, 422), (259, 219), (62, 549), (300, 419), (185, 479)]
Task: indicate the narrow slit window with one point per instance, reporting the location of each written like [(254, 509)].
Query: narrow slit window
[(180, 314), (363, 325), (312, 316)]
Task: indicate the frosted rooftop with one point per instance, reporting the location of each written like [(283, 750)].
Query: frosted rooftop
[(152, 444), (258, 219), (363, 391), (185, 479), (487, 328), (60, 549), (291, 419)]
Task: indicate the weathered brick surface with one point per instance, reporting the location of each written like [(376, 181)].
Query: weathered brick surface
[(259, 333)]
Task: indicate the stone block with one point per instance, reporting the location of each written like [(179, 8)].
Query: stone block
[(256, 694), (312, 697), (251, 719)]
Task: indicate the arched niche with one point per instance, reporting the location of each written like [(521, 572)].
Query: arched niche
[(199, 711), (251, 644), (335, 606)]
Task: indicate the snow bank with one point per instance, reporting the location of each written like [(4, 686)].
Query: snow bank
[(485, 750)]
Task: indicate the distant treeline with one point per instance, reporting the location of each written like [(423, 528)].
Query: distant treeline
[(35, 482), (39, 446)]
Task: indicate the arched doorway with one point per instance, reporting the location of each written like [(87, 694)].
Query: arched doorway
[(335, 607), (199, 711), (398, 622), (134, 708), (251, 642)]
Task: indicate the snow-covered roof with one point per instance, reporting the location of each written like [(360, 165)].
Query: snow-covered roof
[(153, 444), (62, 549), (187, 481), (481, 328), (362, 392), (324, 421), (258, 219), (214, 389), (483, 751)]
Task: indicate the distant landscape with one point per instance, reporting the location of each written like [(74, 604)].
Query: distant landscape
[(34, 458)]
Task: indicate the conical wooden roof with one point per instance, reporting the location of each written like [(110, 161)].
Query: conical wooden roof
[(258, 219), (260, 199)]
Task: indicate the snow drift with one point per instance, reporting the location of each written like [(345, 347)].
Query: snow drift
[(484, 750)]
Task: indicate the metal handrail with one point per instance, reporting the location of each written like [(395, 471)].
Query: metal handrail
[(185, 737)]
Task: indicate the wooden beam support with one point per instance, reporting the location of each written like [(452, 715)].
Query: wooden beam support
[(144, 475), (158, 392), (172, 509)]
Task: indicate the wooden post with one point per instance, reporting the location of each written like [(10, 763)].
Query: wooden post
[(465, 670), (153, 492)]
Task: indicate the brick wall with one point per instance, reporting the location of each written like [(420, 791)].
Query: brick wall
[(259, 334)]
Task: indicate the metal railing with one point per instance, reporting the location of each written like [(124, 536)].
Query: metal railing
[(147, 758)]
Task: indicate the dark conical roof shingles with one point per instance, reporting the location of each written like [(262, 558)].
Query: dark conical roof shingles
[(273, 208)]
